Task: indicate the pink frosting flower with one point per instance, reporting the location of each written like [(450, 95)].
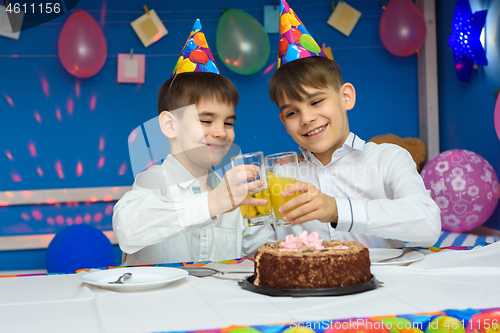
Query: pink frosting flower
[(291, 242)]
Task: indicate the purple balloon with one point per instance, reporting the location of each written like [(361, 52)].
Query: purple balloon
[(464, 186), (402, 28), (82, 47)]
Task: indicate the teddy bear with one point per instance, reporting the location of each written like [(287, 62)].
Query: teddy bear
[(414, 146)]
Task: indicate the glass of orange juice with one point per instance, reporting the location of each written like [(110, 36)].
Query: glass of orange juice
[(282, 171), (256, 215)]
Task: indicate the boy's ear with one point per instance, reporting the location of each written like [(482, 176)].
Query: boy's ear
[(349, 95), (167, 124)]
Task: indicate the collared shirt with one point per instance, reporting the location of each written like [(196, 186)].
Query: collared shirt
[(165, 218), (381, 199)]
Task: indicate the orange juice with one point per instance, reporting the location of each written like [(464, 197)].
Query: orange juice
[(276, 186), (251, 212)]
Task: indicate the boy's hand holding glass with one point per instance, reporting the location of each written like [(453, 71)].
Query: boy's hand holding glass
[(314, 205), (256, 208), (233, 189)]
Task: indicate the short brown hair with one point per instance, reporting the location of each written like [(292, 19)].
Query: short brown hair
[(190, 88), (291, 78)]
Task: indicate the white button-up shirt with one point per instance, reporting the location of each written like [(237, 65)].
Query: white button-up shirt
[(381, 199), (165, 218)]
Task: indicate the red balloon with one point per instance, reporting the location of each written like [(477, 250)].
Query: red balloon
[(296, 34), (402, 28), (82, 46), (282, 47), (198, 56)]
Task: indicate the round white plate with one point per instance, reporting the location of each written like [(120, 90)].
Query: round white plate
[(142, 278), (380, 254)]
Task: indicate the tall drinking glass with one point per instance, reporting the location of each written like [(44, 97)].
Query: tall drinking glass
[(256, 215), (282, 171)]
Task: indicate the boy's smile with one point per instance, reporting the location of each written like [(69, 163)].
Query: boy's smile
[(318, 122), (202, 135)]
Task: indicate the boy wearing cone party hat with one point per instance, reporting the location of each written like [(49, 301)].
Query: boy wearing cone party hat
[(351, 189), (181, 210)]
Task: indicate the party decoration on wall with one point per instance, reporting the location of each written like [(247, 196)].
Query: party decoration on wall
[(242, 43), (327, 50), (82, 46), (79, 246), (196, 55), (149, 27), (402, 28), (497, 117), (10, 24), (465, 39), (344, 18), (464, 186), (131, 67), (271, 19), (295, 41)]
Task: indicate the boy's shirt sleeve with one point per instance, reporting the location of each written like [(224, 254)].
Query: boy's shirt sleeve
[(153, 211), (408, 213), (255, 236)]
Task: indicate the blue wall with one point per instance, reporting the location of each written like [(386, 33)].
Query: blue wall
[(466, 108), (386, 85)]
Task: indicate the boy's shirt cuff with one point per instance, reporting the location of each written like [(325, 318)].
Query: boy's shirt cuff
[(351, 215)]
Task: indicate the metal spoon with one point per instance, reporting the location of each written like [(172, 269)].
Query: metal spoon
[(405, 251), (119, 280), (205, 271)]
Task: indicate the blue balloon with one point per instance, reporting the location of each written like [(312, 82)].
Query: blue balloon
[(303, 30), (79, 246), (211, 67), (293, 53), (190, 46)]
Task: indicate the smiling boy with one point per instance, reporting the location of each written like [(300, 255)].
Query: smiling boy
[(352, 190), (181, 210)]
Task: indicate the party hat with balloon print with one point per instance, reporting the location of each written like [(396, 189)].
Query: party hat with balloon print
[(295, 41), (196, 55)]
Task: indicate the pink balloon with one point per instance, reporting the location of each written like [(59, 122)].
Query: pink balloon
[(402, 28), (464, 186), (497, 117), (82, 46)]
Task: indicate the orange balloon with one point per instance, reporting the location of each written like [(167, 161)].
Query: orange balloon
[(200, 40), (284, 24), (293, 20)]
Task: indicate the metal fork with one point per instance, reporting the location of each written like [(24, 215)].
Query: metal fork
[(405, 251)]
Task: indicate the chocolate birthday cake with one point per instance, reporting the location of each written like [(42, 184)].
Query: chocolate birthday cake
[(308, 262)]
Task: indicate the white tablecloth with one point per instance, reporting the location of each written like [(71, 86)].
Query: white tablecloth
[(63, 303)]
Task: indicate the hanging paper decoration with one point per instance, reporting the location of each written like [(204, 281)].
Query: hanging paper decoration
[(82, 47), (295, 41), (131, 68), (10, 24), (271, 19), (344, 18), (196, 55), (465, 39), (149, 27), (327, 50)]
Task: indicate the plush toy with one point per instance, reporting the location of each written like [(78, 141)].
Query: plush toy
[(414, 146)]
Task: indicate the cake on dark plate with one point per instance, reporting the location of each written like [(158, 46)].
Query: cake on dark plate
[(308, 262)]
